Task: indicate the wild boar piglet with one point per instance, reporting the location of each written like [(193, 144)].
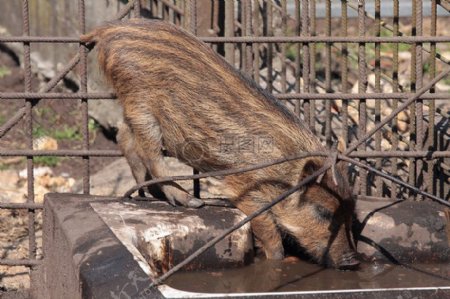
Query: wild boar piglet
[(181, 98)]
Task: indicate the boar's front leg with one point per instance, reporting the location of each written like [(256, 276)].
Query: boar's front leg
[(149, 163), (140, 173), (264, 227)]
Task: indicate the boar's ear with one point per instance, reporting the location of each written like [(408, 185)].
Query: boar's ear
[(339, 180), (311, 165)]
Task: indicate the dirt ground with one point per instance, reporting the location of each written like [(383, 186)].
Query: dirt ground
[(56, 125)]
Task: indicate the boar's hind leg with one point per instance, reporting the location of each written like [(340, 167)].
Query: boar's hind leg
[(127, 145), (264, 228), (147, 161)]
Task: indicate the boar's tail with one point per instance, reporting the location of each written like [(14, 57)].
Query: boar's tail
[(91, 38), (88, 37)]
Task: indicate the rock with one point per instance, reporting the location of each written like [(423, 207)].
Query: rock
[(116, 178), (9, 179), (107, 113), (166, 235), (404, 231), (45, 143), (38, 171)]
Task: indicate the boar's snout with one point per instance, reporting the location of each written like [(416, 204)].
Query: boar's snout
[(348, 261)]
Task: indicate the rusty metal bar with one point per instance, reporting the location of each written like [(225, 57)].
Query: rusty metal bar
[(362, 84), (61, 74), (29, 131), (378, 182), (395, 88), (269, 33), (247, 59), (259, 39), (312, 63), (193, 28), (229, 31), (344, 72), (298, 65), (401, 154), (55, 95), (12, 121), (431, 142), (28, 206), (118, 153), (115, 153), (137, 9), (412, 108), (226, 172), (327, 39), (21, 262), (255, 47), (193, 16), (60, 153), (328, 89), (419, 103), (84, 100), (305, 63), (310, 96), (283, 46)]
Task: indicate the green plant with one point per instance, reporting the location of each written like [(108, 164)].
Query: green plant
[(67, 133), (39, 131), (46, 161), (4, 71)]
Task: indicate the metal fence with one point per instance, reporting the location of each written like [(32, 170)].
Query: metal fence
[(344, 76)]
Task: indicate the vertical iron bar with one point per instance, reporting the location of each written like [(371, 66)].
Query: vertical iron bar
[(154, 7), (84, 101), (297, 56), (328, 74), (269, 26), (419, 103), (305, 60), (283, 45), (229, 31), (193, 16), (193, 29), (137, 9), (312, 64), (431, 145), (29, 131), (243, 47), (362, 83), (395, 88), (248, 32), (256, 61), (412, 110), (378, 182), (344, 74)]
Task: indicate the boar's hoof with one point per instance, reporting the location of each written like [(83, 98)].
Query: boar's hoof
[(194, 202), (348, 261)]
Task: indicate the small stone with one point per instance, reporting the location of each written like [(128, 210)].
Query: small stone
[(45, 143)]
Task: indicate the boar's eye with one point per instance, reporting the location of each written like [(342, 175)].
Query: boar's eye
[(323, 212)]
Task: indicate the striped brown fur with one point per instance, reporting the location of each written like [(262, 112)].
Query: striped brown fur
[(181, 97)]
